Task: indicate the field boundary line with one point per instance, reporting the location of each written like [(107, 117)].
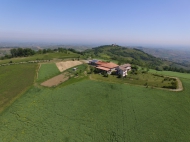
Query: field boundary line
[(3, 109), (38, 71)]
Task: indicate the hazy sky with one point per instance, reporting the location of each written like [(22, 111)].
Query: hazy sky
[(127, 22)]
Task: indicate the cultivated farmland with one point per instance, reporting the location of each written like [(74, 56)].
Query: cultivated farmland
[(14, 80), (98, 111), (62, 66), (47, 71), (55, 80)]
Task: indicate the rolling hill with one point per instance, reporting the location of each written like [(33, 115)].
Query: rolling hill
[(124, 54), (135, 56)]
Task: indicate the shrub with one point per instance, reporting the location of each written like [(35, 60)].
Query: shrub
[(144, 71), (119, 75), (113, 73), (105, 75)]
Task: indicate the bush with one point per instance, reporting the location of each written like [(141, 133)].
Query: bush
[(105, 75), (119, 75), (113, 73), (144, 71)]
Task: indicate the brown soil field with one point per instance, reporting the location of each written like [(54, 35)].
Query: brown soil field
[(62, 66), (55, 80)]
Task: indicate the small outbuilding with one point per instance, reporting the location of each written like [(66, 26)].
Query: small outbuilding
[(123, 69)]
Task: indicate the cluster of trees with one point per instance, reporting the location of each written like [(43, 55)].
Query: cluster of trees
[(20, 52), (24, 52)]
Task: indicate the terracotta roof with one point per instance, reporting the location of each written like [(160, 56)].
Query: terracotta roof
[(101, 62), (107, 65), (102, 68)]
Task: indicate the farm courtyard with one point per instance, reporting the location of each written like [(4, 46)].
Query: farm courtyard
[(91, 110)]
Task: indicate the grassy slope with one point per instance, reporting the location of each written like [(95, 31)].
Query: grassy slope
[(98, 111), (123, 54), (13, 80), (47, 71)]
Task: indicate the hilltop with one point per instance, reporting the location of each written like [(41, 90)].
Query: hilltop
[(135, 56), (124, 54)]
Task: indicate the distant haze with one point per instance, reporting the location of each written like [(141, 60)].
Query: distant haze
[(153, 23)]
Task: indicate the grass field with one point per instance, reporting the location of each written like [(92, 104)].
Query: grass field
[(170, 73), (98, 111), (146, 79), (47, 71), (48, 56), (14, 80)]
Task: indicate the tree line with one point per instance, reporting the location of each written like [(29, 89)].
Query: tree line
[(20, 52), (24, 52)]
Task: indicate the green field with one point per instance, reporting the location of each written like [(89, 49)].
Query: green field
[(48, 56), (88, 110), (47, 71), (98, 111), (14, 80), (145, 79), (170, 73)]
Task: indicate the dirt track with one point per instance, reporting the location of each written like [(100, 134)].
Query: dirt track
[(180, 86), (62, 66)]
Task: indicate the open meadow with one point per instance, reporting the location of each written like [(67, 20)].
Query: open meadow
[(98, 111)]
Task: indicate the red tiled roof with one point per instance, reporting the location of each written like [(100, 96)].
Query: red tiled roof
[(106, 64), (101, 62), (102, 68)]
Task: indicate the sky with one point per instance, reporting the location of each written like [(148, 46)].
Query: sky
[(124, 22)]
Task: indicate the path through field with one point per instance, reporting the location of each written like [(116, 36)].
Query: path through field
[(180, 85)]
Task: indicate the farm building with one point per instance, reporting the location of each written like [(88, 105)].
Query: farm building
[(123, 69), (106, 66), (109, 67)]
